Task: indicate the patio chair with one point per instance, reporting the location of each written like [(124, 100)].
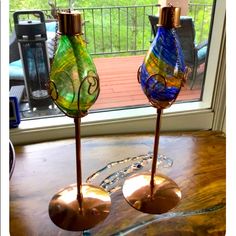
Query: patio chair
[(194, 55)]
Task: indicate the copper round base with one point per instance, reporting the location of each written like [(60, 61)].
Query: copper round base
[(165, 193), (65, 211)]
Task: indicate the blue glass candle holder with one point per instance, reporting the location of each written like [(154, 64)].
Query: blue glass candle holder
[(161, 75)]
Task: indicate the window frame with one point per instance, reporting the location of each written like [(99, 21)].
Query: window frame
[(180, 116)]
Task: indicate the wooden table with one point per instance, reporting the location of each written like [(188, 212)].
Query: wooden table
[(198, 168)]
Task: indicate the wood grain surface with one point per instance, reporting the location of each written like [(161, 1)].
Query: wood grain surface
[(199, 169)]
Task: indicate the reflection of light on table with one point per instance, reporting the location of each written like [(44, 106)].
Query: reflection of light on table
[(141, 181)]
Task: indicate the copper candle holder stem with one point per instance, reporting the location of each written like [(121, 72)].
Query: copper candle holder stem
[(79, 207), (150, 192)]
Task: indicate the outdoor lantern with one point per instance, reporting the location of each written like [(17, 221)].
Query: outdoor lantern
[(31, 37)]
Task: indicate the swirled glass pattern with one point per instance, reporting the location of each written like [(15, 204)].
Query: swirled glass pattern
[(74, 83), (163, 71)]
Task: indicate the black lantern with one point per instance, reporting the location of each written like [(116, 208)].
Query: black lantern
[(31, 36)]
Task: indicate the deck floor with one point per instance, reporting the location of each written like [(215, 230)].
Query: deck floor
[(119, 86)]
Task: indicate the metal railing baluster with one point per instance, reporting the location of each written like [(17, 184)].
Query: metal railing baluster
[(102, 29), (85, 28), (135, 28), (94, 41), (110, 31), (127, 29), (130, 34), (119, 28), (144, 16), (202, 26)]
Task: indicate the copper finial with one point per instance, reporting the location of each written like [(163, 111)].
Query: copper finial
[(70, 23), (169, 16)]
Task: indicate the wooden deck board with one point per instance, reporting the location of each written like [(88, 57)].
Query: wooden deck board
[(119, 86)]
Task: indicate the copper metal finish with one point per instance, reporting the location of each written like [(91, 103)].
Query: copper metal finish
[(79, 206), (151, 193), (70, 23), (78, 160), (157, 199), (66, 212), (155, 149), (169, 17)]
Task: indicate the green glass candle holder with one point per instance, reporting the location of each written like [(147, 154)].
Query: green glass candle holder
[(74, 87)]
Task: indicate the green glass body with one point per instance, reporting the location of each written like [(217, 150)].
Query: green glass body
[(74, 83)]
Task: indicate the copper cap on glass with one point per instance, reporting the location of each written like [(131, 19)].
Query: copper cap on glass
[(169, 17), (70, 23)]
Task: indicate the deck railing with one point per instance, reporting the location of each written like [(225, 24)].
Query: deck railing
[(126, 29)]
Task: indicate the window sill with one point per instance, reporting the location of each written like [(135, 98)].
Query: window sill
[(182, 116)]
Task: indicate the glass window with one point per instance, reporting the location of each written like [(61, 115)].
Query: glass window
[(118, 38)]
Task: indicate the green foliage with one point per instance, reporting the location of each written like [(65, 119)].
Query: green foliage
[(202, 19), (121, 29), (32, 4)]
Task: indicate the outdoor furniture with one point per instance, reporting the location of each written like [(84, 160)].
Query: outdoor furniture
[(194, 55)]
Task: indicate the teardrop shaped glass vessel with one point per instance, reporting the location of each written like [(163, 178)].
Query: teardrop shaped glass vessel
[(74, 83), (163, 71)]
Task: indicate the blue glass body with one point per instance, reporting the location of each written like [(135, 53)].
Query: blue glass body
[(163, 71)]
